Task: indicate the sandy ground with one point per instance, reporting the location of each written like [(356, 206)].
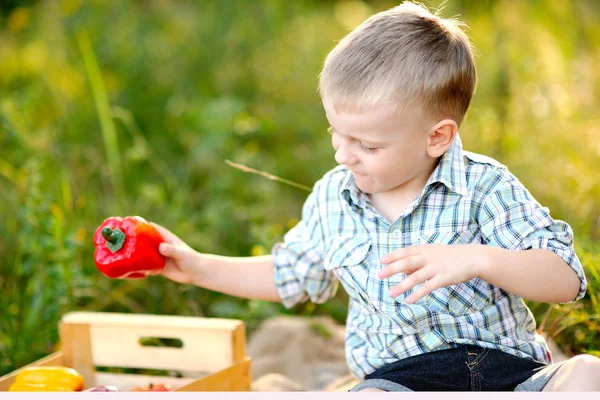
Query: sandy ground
[(306, 354)]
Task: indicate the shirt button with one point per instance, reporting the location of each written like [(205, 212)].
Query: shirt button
[(396, 233)]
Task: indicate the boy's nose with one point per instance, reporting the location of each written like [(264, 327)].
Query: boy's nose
[(344, 157)]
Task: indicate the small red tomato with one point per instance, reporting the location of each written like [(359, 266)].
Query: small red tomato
[(102, 389), (153, 387)]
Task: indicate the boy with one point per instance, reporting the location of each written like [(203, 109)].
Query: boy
[(436, 246)]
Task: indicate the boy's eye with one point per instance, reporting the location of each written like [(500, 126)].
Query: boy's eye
[(366, 149), (361, 146)]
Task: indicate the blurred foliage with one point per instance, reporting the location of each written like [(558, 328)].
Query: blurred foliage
[(183, 85)]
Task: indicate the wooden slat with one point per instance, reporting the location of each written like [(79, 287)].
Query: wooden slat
[(239, 344), (203, 350), (52, 360), (236, 378), (126, 382), (136, 320), (76, 345), (91, 339), (209, 344)]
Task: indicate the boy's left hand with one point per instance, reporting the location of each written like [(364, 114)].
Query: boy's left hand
[(434, 265)]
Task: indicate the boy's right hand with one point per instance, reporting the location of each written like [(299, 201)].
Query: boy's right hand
[(181, 260)]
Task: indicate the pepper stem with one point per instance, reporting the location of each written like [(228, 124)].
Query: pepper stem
[(108, 234), (115, 238)]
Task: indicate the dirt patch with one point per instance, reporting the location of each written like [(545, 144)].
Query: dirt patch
[(306, 354)]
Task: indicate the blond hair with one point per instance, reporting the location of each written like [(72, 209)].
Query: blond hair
[(407, 57)]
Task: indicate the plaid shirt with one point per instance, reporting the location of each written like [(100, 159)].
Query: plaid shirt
[(469, 198)]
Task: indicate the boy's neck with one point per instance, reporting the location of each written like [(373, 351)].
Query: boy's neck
[(393, 203)]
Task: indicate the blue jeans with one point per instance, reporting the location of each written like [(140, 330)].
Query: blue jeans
[(465, 368)]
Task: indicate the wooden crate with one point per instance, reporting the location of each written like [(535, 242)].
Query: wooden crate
[(212, 358)]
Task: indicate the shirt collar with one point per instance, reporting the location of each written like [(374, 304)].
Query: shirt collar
[(450, 171), (350, 191)]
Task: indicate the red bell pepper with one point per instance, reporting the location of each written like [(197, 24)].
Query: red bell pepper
[(127, 248)]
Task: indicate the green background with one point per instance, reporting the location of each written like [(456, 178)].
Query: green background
[(182, 86)]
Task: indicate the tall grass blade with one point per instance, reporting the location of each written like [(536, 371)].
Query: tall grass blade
[(109, 135), (244, 168)]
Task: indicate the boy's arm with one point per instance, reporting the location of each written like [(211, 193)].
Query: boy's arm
[(525, 252), (528, 253), (293, 273), (537, 274), (247, 277)]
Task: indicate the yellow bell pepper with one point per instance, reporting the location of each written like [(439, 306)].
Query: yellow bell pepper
[(47, 379)]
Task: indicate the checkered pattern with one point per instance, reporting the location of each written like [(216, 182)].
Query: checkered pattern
[(469, 198)]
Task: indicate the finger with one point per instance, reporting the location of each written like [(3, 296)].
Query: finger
[(411, 281), (169, 250), (170, 268), (171, 271), (157, 226), (424, 290), (399, 254), (167, 235), (407, 265), (162, 230)]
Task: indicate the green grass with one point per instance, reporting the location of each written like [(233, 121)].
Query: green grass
[(133, 108), (107, 125)]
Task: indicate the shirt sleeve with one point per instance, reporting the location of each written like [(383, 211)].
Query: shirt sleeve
[(511, 218), (299, 271)]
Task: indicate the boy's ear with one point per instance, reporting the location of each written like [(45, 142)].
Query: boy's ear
[(440, 137)]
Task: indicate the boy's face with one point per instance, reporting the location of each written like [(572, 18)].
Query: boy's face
[(384, 149)]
